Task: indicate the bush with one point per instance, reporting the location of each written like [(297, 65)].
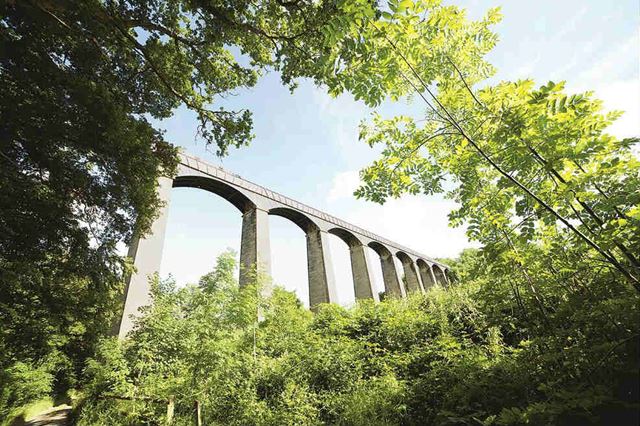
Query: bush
[(439, 358), (22, 383)]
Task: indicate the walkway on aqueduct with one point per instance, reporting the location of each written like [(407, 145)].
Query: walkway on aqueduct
[(256, 203)]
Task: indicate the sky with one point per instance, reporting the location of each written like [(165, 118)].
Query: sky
[(306, 143)]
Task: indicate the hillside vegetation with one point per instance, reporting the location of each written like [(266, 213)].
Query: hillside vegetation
[(470, 354)]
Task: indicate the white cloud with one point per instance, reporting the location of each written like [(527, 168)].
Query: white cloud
[(341, 106), (289, 257), (615, 79), (614, 63), (419, 222), (622, 95), (571, 25), (342, 115), (343, 185), (525, 70)]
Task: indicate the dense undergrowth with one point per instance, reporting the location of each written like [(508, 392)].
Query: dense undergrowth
[(469, 354)]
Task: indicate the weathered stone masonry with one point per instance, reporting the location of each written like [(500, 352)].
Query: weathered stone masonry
[(256, 204)]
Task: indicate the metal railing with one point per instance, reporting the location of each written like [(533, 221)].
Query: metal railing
[(218, 172)]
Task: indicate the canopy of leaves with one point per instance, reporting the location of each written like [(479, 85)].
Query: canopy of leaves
[(553, 200), (80, 82), (79, 158), (515, 156), (554, 143)]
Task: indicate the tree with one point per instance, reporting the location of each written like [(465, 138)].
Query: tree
[(551, 196), (80, 157), (539, 330), (549, 165), (547, 150)]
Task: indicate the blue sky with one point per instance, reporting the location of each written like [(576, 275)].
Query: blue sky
[(306, 144)]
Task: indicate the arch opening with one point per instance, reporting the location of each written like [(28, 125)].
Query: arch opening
[(289, 257), (380, 249), (411, 279), (200, 227), (392, 271), (404, 257), (401, 275), (376, 273), (342, 269), (425, 274), (346, 236), (438, 271)]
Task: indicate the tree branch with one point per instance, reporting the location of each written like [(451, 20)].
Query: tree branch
[(536, 154), (635, 282)]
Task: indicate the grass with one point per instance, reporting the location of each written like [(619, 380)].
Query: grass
[(25, 413)]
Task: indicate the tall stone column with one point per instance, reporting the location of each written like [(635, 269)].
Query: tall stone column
[(410, 275), (362, 282), (427, 276), (322, 286), (146, 254), (255, 250), (390, 275)]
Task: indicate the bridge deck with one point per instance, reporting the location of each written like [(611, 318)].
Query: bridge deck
[(234, 179)]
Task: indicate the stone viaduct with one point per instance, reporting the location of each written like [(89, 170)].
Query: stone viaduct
[(256, 203)]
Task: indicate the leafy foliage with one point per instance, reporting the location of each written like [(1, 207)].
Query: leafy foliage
[(552, 199), (80, 158), (525, 164), (463, 355), (542, 329), (22, 383), (563, 154)]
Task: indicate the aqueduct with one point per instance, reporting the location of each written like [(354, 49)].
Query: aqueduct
[(256, 203)]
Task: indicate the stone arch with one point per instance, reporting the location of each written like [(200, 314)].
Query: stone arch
[(410, 273), (350, 239), (380, 249), (428, 279), (303, 221), (256, 203), (439, 272), (255, 252), (226, 191), (147, 252), (404, 257), (320, 271)]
